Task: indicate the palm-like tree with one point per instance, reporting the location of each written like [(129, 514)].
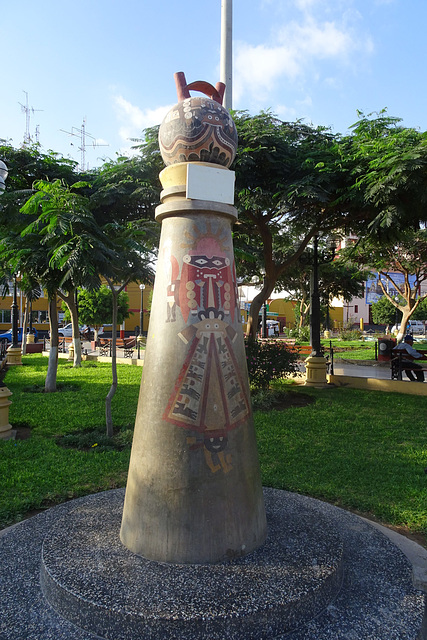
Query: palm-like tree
[(131, 263)]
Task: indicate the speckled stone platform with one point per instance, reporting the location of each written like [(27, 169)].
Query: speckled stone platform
[(322, 574)]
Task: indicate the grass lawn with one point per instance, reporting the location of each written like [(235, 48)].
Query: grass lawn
[(358, 349), (362, 450)]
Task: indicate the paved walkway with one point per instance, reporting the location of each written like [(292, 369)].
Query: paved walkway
[(379, 370)]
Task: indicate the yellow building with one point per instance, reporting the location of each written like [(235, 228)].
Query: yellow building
[(284, 312), (40, 309)]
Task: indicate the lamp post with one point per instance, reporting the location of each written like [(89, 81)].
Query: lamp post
[(141, 310), (14, 314), (316, 349), (316, 363), (263, 311)]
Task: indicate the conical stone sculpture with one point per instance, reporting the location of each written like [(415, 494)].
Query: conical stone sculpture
[(194, 491)]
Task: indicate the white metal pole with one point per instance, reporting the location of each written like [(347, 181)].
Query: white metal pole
[(226, 72)]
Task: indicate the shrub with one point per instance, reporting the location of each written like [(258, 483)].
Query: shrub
[(302, 334), (269, 360), (350, 334)]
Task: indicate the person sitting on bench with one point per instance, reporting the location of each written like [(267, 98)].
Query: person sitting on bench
[(408, 356)]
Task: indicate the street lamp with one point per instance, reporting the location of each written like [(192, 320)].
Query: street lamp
[(264, 333), (316, 350), (316, 363), (14, 314), (141, 309)]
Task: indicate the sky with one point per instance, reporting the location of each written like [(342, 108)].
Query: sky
[(109, 65)]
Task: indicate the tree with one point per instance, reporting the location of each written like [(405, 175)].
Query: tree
[(127, 189), (288, 182), (61, 248), (96, 307), (32, 292), (338, 278), (402, 268), (387, 164), (384, 312), (131, 261)]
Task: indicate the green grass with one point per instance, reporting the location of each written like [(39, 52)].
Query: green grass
[(362, 450), (37, 472), (357, 449), (359, 349)]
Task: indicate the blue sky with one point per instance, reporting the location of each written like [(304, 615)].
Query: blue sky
[(112, 63)]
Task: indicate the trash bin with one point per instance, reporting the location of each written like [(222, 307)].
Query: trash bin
[(385, 347)]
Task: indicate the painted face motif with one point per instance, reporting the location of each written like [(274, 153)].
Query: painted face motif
[(204, 262), (215, 444), (210, 326)]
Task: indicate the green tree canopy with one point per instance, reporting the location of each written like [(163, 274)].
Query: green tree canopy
[(384, 312), (407, 258), (96, 306), (284, 194)]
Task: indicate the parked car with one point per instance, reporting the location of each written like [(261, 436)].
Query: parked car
[(416, 327), (67, 331), (8, 335)]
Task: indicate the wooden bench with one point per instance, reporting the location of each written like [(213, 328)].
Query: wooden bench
[(397, 366), (64, 342), (127, 344), (302, 349)]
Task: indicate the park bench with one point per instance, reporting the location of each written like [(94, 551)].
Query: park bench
[(63, 343), (397, 367), (127, 344)]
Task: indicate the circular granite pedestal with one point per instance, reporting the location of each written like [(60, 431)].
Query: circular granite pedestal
[(90, 578), (323, 574)]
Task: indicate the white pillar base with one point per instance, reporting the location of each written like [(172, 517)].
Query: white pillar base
[(316, 371)]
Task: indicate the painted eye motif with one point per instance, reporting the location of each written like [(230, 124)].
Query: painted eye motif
[(217, 263), (201, 261), (216, 326)]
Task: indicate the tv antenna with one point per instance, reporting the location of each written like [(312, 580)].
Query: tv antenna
[(83, 135), (28, 111)]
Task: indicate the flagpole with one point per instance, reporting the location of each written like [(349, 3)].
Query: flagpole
[(226, 72)]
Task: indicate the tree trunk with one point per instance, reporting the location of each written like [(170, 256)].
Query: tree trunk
[(272, 272), (95, 333), (406, 314), (52, 368), (256, 305), (410, 298), (70, 301), (24, 328), (303, 311)]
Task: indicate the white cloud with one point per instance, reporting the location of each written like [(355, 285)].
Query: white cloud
[(296, 50), (287, 114), (134, 119), (257, 68)]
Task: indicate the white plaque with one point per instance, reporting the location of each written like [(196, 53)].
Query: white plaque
[(210, 183)]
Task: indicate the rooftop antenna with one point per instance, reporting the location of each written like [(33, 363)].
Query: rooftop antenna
[(83, 134), (27, 110)]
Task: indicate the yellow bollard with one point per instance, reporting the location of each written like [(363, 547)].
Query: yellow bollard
[(5, 427), (14, 356)]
